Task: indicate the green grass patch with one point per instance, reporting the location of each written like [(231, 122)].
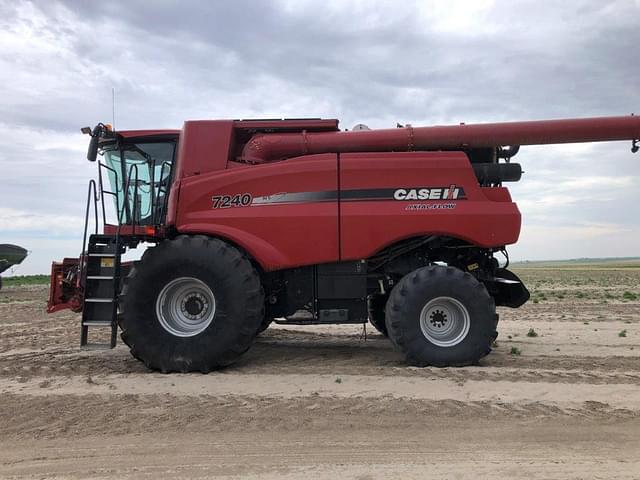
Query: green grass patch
[(623, 333), (25, 280), (515, 351), (532, 333), (629, 296)]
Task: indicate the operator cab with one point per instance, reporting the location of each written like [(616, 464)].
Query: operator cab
[(138, 166)]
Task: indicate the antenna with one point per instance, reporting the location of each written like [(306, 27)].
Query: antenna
[(113, 107)]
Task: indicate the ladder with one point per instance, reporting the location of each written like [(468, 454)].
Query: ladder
[(102, 285)]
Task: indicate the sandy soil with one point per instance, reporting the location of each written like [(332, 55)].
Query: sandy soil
[(324, 402)]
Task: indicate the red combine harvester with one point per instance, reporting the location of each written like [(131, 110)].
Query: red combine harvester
[(295, 220)]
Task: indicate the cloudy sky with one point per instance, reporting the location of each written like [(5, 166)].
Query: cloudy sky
[(359, 61)]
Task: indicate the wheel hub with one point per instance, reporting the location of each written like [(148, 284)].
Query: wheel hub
[(185, 307), (438, 319), (194, 305), (444, 321)]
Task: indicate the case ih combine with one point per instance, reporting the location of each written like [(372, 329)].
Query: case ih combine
[(255, 220)]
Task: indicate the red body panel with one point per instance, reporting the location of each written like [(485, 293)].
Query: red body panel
[(300, 222), (369, 226), (277, 235), (204, 147)]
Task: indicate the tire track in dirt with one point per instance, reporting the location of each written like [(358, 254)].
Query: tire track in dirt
[(572, 370), (509, 395), (53, 415), (502, 451)]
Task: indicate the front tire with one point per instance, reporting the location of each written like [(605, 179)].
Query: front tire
[(191, 304), (266, 323), (441, 316)]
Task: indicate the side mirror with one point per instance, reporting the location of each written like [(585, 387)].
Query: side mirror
[(92, 153)]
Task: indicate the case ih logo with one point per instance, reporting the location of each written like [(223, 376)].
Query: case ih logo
[(452, 192)]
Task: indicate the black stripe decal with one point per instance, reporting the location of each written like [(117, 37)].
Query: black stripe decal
[(297, 197), (356, 195), (368, 194)]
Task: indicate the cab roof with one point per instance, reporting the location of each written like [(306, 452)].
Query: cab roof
[(146, 133)]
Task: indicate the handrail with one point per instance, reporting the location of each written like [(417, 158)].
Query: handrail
[(125, 201), (92, 187), (160, 210), (108, 192)]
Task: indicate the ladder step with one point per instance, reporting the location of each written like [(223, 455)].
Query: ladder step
[(97, 323), (99, 277), (98, 300), (102, 254)]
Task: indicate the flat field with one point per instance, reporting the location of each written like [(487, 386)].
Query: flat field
[(559, 397)]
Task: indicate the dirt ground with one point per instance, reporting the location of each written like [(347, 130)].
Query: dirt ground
[(324, 402)]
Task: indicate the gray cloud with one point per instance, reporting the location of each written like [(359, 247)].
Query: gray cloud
[(371, 62)]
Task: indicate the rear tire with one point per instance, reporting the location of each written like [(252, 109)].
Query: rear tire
[(191, 304), (441, 316), (376, 306)]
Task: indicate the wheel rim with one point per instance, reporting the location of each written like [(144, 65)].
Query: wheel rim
[(444, 321), (185, 307)]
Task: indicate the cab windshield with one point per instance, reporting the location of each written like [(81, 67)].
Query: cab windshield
[(139, 175)]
